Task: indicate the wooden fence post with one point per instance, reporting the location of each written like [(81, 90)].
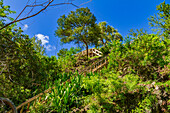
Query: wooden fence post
[(22, 109), (28, 106), (34, 103), (39, 99)]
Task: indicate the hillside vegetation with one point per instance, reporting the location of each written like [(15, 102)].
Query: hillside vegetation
[(136, 79)]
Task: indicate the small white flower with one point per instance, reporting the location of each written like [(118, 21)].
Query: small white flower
[(153, 83), (156, 87), (160, 102)]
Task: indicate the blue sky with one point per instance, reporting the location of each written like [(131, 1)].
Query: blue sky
[(123, 15)]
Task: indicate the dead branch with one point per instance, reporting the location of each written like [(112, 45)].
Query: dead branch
[(44, 4), (85, 3), (27, 16)]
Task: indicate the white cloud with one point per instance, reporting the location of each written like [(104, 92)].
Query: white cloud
[(45, 40), (25, 27), (48, 47)]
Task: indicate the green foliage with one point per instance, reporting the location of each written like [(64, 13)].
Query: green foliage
[(135, 34), (23, 64), (108, 33), (67, 95), (68, 61), (5, 11), (94, 57), (142, 56), (65, 52), (27, 67), (105, 49), (137, 78), (110, 93), (12, 45), (62, 52), (161, 21), (63, 97), (114, 93), (144, 106), (79, 27)]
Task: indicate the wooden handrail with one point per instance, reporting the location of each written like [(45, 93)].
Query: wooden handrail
[(93, 50), (30, 100), (33, 98), (93, 68), (90, 68)]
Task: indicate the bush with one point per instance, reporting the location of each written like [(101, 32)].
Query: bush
[(142, 56)]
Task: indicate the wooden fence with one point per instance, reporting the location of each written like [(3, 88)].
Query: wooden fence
[(91, 52)]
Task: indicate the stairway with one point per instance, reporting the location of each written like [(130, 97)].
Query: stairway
[(94, 67)]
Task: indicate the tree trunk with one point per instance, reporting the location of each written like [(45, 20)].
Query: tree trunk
[(87, 51)]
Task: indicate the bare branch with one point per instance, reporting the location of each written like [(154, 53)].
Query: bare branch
[(21, 13), (42, 4), (48, 2), (64, 4), (29, 11), (85, 3), (22, 10), (28, 16)]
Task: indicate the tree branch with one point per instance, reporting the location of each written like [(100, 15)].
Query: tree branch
[(41, 4), (27, 16), (85, 3)]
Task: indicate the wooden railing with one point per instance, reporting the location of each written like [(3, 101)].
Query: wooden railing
[(92, 68), (92, 52), (97, 52), (96, 65), (33, 99)]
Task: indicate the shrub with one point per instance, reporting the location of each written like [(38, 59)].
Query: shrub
[(142, 56)]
